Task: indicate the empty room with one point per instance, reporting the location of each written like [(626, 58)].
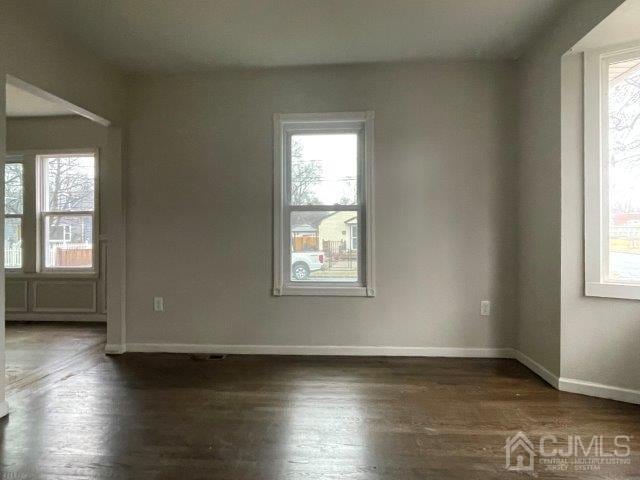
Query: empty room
[(339, 239)]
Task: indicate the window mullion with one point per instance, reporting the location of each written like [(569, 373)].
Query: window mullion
[(324, 208), (68, 212)]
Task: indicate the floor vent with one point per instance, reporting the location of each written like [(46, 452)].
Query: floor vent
[(208, 356)]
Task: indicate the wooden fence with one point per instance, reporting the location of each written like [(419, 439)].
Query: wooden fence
[(71, 256)]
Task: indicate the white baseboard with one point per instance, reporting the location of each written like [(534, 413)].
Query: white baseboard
[(4, 408), (563, 384), (114, 349), (347, 350), (548, 376), (592, 389), (572, 385), (56, 317)]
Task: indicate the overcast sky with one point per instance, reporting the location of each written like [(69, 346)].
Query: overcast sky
[(338, 156)]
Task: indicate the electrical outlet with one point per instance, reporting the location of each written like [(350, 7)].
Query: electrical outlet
[(158, 304), (485, 308)]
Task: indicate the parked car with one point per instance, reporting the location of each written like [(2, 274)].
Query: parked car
[(303, 263)]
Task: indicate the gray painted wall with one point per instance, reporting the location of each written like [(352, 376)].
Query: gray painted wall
[(199, 221), (546, 267)]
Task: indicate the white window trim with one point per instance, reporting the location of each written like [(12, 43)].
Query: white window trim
[(596, 233), (42, 213), (281, 286)]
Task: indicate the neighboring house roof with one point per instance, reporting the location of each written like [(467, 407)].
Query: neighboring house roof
[(304, 229), (310, 219), (353, 219)]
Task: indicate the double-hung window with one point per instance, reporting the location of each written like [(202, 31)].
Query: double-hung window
[(612, 172), (13, 212), (323, 221), (67, 197)]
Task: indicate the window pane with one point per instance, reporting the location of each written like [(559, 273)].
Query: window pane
[(12, 243), (322, 247), (68, 241), (624, 171), (324, 169), (70, 183), (13, 188)]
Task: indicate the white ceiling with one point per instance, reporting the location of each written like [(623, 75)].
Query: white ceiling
[(21, 103), (175, 35)]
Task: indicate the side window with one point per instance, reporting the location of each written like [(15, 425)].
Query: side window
[(13, 213), (67, 211), (612, 173)]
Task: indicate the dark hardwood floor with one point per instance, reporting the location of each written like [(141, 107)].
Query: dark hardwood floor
[(35, 351), (161, 416)]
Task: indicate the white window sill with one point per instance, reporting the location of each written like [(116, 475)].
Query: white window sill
[(317, 291), (627, 291)]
